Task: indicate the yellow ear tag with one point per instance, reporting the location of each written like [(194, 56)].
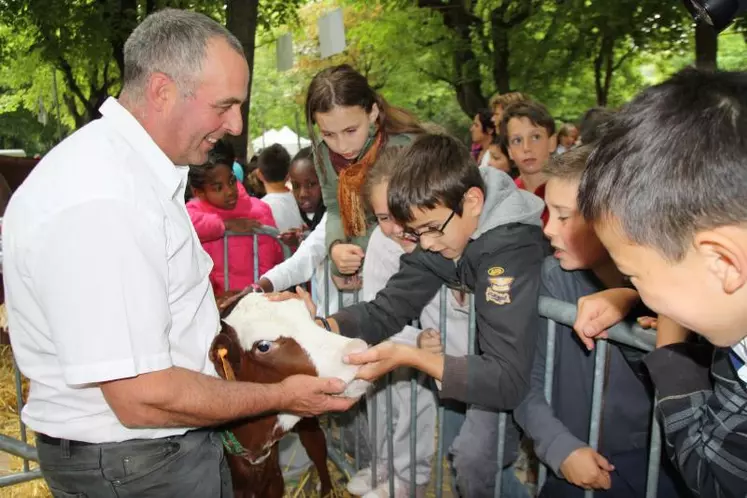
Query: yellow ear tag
[(227, 370)]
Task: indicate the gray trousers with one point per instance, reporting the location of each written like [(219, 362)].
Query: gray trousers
[(191, 465), (402, 415), (475, 456)]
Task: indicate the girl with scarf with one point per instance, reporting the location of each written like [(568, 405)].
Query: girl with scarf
[(354, 123)]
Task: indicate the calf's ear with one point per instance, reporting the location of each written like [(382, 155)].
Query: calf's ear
[(225, 352), (227, 302)]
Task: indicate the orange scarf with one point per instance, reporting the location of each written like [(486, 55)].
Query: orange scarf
[(350, 184)]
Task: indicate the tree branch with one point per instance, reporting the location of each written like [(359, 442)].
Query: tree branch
[(438, 77)]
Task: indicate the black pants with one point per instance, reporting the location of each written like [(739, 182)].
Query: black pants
[(191, 465)]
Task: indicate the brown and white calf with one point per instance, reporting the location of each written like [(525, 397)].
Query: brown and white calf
[(265, 342)]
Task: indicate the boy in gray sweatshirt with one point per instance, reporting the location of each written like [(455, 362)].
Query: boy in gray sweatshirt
[(579, 267)]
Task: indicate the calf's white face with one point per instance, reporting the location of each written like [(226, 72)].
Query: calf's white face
[(258, 321)]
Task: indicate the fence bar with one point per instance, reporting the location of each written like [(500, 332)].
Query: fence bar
[(654, 457), (440, 449), (19, 478), (600, 364), (19, 404), (358, 414), (326, 288), (390, 432), (374, 443), (549, 372), (225, 260), (263, 230), (339, 461), (255, 248), (413, 428), (342, 416), (18, 448), (500, 453), (636, 336)]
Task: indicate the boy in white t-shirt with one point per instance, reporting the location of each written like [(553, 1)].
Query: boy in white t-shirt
[(273, 166)]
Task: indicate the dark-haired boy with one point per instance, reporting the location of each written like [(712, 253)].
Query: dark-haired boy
[(273, 166), (666, 190), (529, 129), (479, 233)]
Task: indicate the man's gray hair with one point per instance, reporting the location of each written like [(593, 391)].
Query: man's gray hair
[(173, 42)]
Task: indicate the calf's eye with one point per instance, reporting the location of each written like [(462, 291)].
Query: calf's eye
[(263, 346)]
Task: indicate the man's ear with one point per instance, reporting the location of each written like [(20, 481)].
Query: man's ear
[(161, 91), (725, 256)]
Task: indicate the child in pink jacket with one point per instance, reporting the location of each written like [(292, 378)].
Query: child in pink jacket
[(221, 204)]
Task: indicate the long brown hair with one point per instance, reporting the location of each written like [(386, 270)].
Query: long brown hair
[(344, 86)]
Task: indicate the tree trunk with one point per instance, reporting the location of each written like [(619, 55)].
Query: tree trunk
[(241, 20), (501, 76), (706, 47), (603, 69), (467, 70)]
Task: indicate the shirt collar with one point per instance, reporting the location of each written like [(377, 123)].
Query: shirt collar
[(170, 177)]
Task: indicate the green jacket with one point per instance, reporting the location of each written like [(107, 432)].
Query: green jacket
[(328, 178)]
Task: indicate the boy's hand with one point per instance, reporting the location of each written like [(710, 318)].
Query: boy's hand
[(347, 258), (379, 360), (241, 225), (587, 469), (600, 311), (347, 283), (430, 340), (300, 294), (292, 237), (648, 322)]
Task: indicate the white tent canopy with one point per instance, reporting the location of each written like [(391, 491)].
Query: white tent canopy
[(284, 136)]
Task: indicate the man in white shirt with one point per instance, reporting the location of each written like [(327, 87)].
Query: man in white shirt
[(109, 304), (273, 165)]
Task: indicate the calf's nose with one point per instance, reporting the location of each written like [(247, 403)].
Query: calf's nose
[(354, 346)]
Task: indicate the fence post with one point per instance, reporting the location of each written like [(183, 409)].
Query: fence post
[(600, 364), (549, 372)]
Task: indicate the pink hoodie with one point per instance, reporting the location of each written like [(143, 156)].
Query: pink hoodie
[(208, 222)]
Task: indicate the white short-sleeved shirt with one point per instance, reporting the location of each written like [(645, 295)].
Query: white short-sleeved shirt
[(105, 277), (284, 210)]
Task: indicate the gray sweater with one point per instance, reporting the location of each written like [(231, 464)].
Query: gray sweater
[(559, 430)]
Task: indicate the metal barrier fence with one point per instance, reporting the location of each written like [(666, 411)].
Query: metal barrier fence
[(555, 311)]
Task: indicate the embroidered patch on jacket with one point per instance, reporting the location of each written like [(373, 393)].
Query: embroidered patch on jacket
[(496, 271), (499, 290)]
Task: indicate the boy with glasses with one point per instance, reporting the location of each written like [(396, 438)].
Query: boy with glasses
[(477, 232)]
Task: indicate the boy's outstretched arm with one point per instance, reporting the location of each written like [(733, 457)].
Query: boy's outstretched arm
[(402, 300), (703, 408)]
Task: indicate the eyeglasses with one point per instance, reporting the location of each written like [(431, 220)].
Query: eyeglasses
[(414, 236)]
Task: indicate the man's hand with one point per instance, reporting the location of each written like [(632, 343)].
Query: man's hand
[(309, 396), (600, 311), (430, 340), (300, 294), (348, 283), (241, 225), (587, 469), (380, 359), (347, 258)]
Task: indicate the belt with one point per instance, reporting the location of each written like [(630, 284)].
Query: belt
[(55, 441)]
